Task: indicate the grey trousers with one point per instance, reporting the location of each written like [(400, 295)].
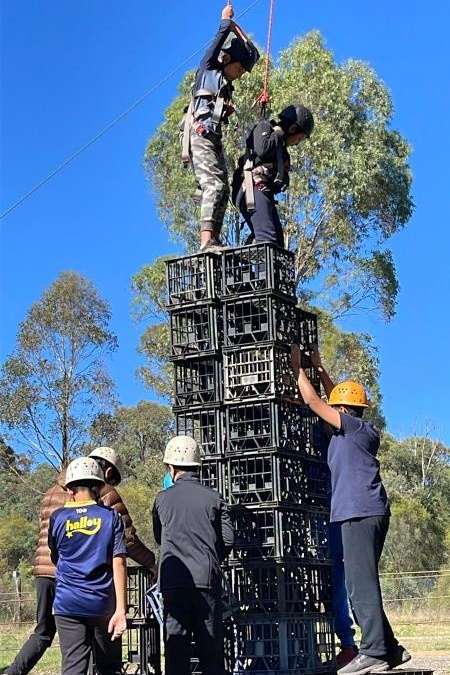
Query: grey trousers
[(363, 541), (211, 173), (81, 636)]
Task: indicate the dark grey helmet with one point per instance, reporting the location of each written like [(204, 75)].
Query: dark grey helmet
[(300, 115), (243, 51)]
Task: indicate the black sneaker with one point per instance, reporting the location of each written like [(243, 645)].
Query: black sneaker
[(398, 656), (363, 663)]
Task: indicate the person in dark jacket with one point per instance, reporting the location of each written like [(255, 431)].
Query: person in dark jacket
[(192, 524), (44, 570), (228, 57), (360, 504), (263, 171)]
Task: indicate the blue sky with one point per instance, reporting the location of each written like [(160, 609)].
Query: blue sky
[(70, 68)]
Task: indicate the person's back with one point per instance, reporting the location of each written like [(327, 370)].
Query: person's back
[(192, 524), (44, 570), (81, 541), (192, 544), (87, 545)]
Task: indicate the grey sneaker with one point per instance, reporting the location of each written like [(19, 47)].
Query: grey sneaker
[(212, 246), (398, 656), (362, 663)]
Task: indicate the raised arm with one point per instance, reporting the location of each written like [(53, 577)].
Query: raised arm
[(309, 394), (325, 379)]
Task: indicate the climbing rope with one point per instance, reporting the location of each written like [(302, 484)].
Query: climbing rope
[(264, 97)]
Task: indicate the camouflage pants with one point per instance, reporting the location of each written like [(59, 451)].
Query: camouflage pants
[(211, 173)]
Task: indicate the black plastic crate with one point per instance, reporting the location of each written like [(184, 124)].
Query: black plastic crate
[(197, 381), (258, 425), (259, 267), (262, 370), (280, 533), (142, 649), (260, 318), (196, 330), (138, 583), (307, 328), (264, 478), (194, 278), (289, 645), (205, 424), (271, 587), (213, 475)]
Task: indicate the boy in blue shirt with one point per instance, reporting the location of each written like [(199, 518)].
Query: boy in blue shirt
[(87, 545)]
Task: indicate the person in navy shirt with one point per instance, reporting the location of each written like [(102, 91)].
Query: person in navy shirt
[(87, 545), (360, 504)]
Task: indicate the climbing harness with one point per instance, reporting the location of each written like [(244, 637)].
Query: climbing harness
[(254, 176)]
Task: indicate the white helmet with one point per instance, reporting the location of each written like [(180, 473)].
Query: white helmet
[(84, 468), (182, 451), (110, 456)]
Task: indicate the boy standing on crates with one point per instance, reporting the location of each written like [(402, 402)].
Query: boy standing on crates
[(228, 57), (87, 545)]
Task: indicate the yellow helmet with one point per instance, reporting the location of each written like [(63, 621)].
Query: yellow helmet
[(348, 393)]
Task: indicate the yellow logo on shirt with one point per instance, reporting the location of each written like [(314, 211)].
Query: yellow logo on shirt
[(84, 525)]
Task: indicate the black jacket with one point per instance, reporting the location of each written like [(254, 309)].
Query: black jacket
[(263, 145), (192, 524)]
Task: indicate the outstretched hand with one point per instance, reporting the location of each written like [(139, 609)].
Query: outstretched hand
[(296, 359), (227, 12), (315, 356)]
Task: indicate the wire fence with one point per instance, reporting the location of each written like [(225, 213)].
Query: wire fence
[(417, 603)]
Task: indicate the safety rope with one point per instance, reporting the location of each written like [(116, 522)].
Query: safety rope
[(264, 97), (112, 124)]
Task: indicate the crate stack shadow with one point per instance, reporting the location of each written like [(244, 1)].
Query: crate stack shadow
[(233, 318)]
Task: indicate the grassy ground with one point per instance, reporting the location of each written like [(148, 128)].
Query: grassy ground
[(422, 636)]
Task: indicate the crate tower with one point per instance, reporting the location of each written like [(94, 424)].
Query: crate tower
[(141, 644), (233, 317)]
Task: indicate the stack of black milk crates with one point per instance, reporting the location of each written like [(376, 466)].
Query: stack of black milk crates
[(141, 644), (263, 450)]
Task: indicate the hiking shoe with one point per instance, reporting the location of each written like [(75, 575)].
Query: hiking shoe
[(363, 663), (398, 656), (212, 246), (346, 655)]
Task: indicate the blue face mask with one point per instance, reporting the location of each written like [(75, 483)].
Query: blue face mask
[(167, 481)]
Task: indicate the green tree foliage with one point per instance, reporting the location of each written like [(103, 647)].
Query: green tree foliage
[(22, 484), (416, 474), (350, 185), (18, 538), (139, 433), (415, 539), (139, 497), (56, 381), (418, 467), (352, 356)]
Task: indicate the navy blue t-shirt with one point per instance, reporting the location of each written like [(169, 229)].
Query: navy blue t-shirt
[(356, 487), (83, 538)]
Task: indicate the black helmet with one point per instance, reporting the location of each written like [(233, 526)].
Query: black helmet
[(243, 51), (300, 115)]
